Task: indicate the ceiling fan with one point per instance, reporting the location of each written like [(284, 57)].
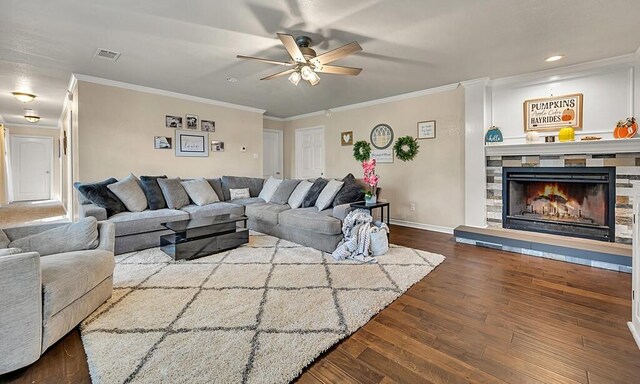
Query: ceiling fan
[(305, 63)]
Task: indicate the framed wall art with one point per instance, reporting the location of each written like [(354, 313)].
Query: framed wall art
[(191, 144), (162, 142), (381, 139), (217, 146), (553, 113), (192, 121), (208, 125), (346, 138), (173, 122), (427, 129)]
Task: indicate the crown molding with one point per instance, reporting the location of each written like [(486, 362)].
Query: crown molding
[(161, 92), (473, 82), (19, 125), (273, 118)]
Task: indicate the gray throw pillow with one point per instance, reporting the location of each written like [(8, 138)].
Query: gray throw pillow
[(351, 191), (298, 195), (4, 240), (173, 192), (242, 193), (216, 184), (129, 192), (9, 251), (284, 191), (100, 195), (77, 236), (330, 191), (153, 192), (269, 188), (200, 191), (314, 192)]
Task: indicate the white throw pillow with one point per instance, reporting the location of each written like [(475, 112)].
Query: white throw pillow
[(328, 194), (128, 190), (269, 188), (298, 194), (200, 191), (242, 193)]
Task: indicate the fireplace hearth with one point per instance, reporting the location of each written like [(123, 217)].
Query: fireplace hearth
[(570, 201)]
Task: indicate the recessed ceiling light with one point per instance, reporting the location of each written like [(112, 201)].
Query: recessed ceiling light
[(232, 79), (553, 58), (23, 97)]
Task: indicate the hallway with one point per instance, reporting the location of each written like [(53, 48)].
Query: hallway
[(31, 212)]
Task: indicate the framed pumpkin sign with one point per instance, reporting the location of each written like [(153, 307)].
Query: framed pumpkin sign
[(553, 113)]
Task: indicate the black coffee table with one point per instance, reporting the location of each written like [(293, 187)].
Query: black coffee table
[(204, 236)]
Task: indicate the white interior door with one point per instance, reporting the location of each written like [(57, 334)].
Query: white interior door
[(31, 165), (634, 325), (310, 153), (272, 159)]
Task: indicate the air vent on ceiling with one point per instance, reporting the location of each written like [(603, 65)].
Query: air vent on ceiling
[(107, 54)]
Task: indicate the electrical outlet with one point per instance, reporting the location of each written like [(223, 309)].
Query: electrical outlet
[(255, 156), (412, 206)]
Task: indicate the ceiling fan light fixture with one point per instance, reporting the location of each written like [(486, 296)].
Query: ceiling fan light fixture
[(295, 78), (23, 97), (314, 79), (307, 72)]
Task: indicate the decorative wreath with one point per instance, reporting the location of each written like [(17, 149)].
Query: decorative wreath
[(406, 148), (361, 150)]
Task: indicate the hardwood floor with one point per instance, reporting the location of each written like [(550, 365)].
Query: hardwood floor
[(482, 316)]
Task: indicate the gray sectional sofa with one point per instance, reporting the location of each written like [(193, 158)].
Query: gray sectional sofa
[(307, 226)]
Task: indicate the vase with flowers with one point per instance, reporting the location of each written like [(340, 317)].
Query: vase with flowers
[(371, 179)]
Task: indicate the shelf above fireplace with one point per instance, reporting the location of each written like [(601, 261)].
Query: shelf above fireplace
[(566, 148)]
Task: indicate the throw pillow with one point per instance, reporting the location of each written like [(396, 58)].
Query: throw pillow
[(153, 192), (77, 236), (269, 188), (81, 199), (4, 240), (9, 251), (173, 192), (351, 191), (328, 193), (129, 192), (200, 191), (216, 184), (242, 193), (298, 195), (284, 191), (100, 195), (314, 192)]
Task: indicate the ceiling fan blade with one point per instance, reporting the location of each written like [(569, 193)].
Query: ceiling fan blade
[(265, 60), (338, 70), (291, 46), (338, 53), (279, 74)]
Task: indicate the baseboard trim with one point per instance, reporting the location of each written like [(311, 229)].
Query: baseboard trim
[(634, 333), (428, 227)]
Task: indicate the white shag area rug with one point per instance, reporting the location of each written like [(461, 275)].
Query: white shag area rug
[(256, 314)]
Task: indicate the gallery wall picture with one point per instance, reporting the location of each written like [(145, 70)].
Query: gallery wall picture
[(208, 125), (173, 121), (427, 129), (162, 142), (191, 144), (192, 121), (346, 138), (217, 146)]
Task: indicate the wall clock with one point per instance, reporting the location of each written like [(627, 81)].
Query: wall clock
[(381, 136)]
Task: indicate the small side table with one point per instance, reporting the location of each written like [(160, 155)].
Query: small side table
[(370, 208)]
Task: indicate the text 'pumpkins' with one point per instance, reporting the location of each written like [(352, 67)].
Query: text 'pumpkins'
[(625, 129)]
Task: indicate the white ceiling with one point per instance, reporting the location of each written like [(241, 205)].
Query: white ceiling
[(190, 47)]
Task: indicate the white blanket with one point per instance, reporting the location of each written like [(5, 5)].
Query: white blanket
[(356, 228)]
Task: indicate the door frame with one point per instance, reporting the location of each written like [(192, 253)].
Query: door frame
[(280, 158), (298, 146), (634, 324), (10, 159)]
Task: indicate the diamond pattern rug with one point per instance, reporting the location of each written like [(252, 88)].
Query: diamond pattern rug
[(256, 314)]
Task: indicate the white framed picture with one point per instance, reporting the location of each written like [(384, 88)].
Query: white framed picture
[(217, 146), (192, 121), (162, 142), (208, 125), (173, 122), (427, 129), (191, 144)]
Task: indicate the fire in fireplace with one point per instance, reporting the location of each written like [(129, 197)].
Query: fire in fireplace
[(566, 201)]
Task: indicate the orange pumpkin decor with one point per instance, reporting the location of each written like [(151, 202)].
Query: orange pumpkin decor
[(625, 129), (568, 114)]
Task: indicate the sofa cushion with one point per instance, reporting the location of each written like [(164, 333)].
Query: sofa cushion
[(128, 223), (216, 184), (100, 195), (325, 199), (311, 219), (235, 182), (269, 188), (9, 251), (68, 276), (298, 194), (249, 201), (219, 208), (77, 236), (128, 190), (152, 191), (200, 191), (173, 192), (266, 212), (314, 192), (285, 189), (351, 191)]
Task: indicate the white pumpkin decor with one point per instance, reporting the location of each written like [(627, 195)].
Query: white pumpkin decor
[(532, 137)]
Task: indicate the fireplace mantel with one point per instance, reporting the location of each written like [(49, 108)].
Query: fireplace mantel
[(566, 148)]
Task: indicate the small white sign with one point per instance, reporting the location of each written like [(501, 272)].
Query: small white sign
[(382, 155)]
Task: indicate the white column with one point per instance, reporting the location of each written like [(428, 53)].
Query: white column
[(477, 102)]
